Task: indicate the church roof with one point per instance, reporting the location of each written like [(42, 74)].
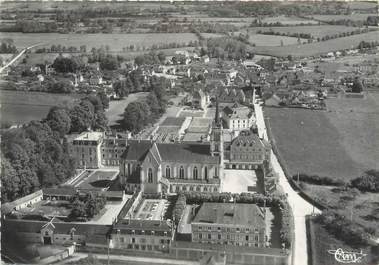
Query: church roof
[(170, 152)]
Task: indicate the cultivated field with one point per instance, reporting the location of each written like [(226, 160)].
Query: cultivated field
[(354, 17), (288, 20), (271, 40), (20, 107), (317, 48), (115, 41), (317, 31)]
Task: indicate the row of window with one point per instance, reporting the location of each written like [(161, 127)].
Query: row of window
[(193, 188), (232, 237), (144, 247), (195, 173), (247, 244), (143, 240), (247, 157), (228, 229)]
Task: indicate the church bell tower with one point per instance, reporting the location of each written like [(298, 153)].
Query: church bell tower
[(216, 139)]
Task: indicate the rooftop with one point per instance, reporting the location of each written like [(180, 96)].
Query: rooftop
[(89, 136), (230, 214), (173, 152)]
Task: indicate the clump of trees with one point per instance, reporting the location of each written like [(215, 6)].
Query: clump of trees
[(150, 58), (139, 114), (317, 180), (179, 207), (8, 47), (226, 48), (36, 155), (343, 228), (86, 206), (369, 182), (67, 64)]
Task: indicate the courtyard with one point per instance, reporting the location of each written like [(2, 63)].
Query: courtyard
[(152, 209), (237, 181)]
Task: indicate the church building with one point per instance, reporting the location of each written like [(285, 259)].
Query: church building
[(161, 168)]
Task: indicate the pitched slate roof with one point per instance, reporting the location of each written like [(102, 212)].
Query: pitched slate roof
[(133, 224), (187, 153), (247, 137), (170, 152), (136, 150)]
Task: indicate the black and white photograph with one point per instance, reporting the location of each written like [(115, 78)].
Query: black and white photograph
[(189, 132)]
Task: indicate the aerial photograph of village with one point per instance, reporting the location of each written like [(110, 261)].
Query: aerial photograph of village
[(189, 132)]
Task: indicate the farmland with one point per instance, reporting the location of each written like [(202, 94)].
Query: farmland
[(271, 41), (288, 20), (353, 17), (341, 142), (316, 31), (317, 48), (115, 41), (20, 107)]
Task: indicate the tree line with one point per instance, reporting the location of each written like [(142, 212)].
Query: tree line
[(8, 47), (368, 182), (36, 155), (141, 113)]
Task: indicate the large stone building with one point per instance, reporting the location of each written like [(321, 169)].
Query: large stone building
[(229, 224), (247, 151), (86, 149), (143, 235), (238, 117), (96, 149), (172, 167)]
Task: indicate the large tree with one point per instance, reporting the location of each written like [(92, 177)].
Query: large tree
[(59, 120)]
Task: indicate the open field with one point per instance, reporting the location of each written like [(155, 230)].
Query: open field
[(115, 41), (288, 20), (317, 48), (357, 121), (116, 107), (341, 142), (354, 17), (271, 40), (317, 31), (20, 107), (309, 143)]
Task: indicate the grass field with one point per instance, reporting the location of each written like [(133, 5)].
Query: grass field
[(116, 107), (20, 107), (288, 20), (317, 48), (271, 40), (354, 17), (317, 31), (340, 143), (115, 41)]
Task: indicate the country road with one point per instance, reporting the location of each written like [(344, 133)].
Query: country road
[(18, 56), (300, 207)]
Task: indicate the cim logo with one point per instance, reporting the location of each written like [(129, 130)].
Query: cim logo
[(347, 256)]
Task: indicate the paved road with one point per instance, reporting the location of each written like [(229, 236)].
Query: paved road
[(300, 207), (155, 261)]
